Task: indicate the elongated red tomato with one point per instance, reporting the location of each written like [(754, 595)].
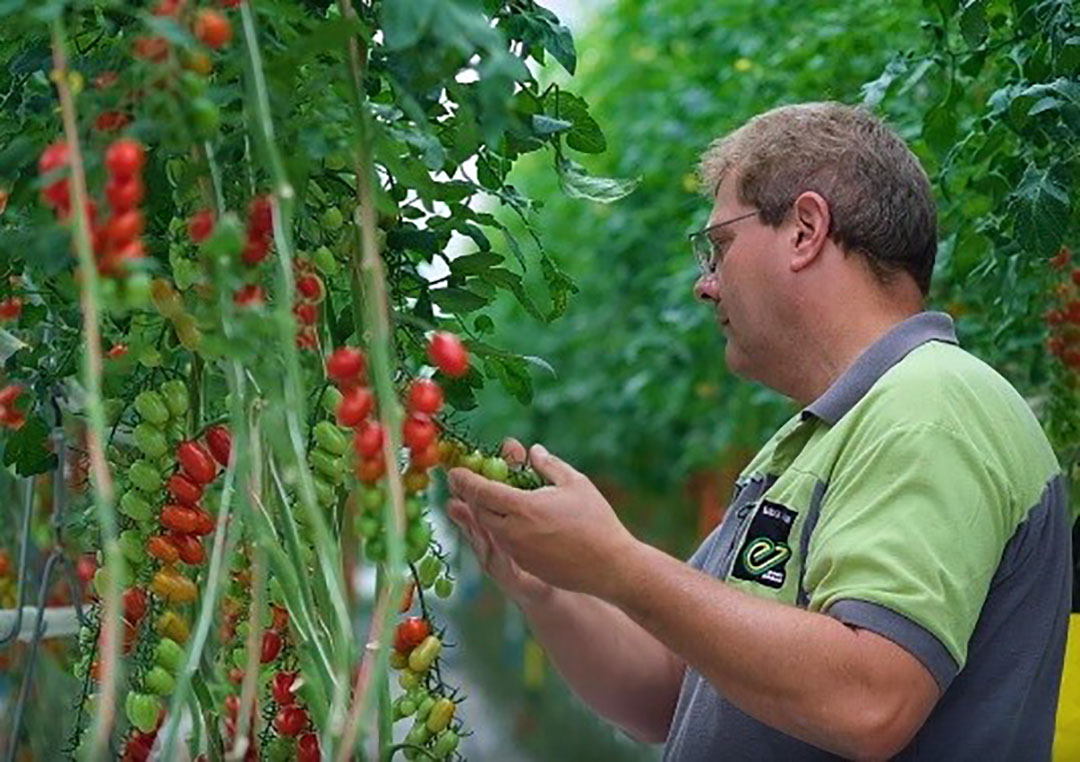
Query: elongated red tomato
[(179, 518), (184, 490), (204, 522), (219, 440), (196, 462), (448, 354), (260, 216), (290, 720), (307, 748), (411, 633), (190, 548), (271, 646), (201, 225), (163, 549), (135, 604), (281, 687), (419, 431)]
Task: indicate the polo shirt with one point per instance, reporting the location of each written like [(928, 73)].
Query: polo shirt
[(918, 498)]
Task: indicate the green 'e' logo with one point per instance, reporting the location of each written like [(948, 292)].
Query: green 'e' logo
[(763, 554)]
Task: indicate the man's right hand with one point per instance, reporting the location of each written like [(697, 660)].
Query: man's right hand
[(518, 585)]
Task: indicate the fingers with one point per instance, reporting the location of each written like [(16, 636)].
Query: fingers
[(484, 495), (513, 452), (552, 468)]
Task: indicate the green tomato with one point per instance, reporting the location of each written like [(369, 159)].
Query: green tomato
[(133, 505), (169, 654), (473, 461), (332, 218), (132, 546), (159, 681), (151, 440), (328, 465), (144, 476), (444, 588), (373, 499), (336, 161), (330, 438), (324, 492), (142, 710), (331, 399), (413, 508), (150, 357), (495, 468), (423, 709), (368, 527), (243, 629), (151, 406), (325, 261), (428, 571), (205, 116), (194, 84), (239, 657), (176, 431), (137, 291), (445, 744), (176, 396), (417, 539), (418, 735), (375, 549)]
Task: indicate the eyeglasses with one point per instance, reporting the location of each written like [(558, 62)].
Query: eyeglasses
[(705, 250)]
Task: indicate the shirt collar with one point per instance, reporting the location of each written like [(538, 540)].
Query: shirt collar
[(878, 358)]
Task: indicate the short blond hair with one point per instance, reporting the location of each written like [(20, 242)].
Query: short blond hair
[(879, 197)]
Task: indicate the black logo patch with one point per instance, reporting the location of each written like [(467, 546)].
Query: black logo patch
[(765, 551)]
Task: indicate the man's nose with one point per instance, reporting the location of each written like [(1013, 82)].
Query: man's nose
[(705, 288)]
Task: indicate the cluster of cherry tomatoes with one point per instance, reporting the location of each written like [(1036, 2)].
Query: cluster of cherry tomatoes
[(416, 650), (309, 293), (10, 416), (1064, 319)]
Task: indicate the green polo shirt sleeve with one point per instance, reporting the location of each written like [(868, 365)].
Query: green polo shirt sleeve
[(911, 531)]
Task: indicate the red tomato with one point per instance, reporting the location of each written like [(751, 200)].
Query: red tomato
[(53, 157), (370, 470), (124, 193), (196, 462), (204, 523), (310, 287), (58, 194), (255, 250), (163, 549), (10, 308), (426, 458), (105, 80), (117, 351), (368, 441), (9, 395), (271, 646), (110, 121), (232, 706), (135, 604), (419, 432), (124, 227), (425, 396), (281, 687), (219, 440), (184, 490), (124, 158), (236, 676), (307, 338), (212, 29), (201, 225), (151, 48), (307, 748), (307, 313), (260, 216), (179, 518), (448, 354), (411, 633), (290, 720), (250, 295), (85, 567), (281, 617), (190, 547), (169, 8), (5, 562), (356, 405), (345, 365)]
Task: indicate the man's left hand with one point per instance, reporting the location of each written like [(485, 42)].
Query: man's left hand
[(566, 534)]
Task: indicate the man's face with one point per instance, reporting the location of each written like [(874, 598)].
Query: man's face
[(742, 283)]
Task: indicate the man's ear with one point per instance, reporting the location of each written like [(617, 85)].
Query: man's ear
[(811, 229)]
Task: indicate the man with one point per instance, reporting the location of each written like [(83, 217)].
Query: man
[(891, 579)]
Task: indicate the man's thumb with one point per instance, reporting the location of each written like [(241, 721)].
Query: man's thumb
[(552, 468)]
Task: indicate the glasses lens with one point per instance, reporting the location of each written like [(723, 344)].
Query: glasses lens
[(699, 242)]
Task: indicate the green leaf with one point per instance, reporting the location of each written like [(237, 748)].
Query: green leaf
[(545, 125), (27, 448), (457, 300), (973, 22), (473, 264), (576, 182), (586, 135), (1041, 206), (560, 286), (511, 281), (404, 23), (513, 373)]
